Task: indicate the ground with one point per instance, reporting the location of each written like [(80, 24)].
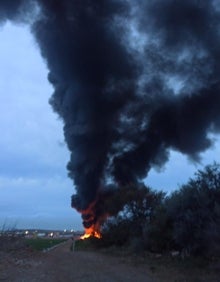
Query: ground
[(61, 264)]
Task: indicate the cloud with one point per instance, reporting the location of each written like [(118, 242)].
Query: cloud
[(179, 169), (34, 188), (37, 199), (30, 130)]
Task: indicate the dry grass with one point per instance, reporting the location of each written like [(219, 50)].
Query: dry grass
[(164, 268), (168, 269)]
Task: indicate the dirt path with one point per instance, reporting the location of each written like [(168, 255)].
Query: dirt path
[(60, 264)]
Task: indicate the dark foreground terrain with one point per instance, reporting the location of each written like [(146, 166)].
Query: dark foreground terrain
[(62, 264)]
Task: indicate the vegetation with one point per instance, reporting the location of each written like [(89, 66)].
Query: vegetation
[(194, 211), (40, 244), (88, 244), (187, 221)]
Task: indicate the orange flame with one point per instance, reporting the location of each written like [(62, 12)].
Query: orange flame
[(91, 232)]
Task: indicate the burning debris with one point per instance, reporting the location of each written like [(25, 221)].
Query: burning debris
[(131, 81), (91, 232)]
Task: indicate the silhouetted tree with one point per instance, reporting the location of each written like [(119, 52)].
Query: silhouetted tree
[(188, 220), (195, 213), (137, 209)]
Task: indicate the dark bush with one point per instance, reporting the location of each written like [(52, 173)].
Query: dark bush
[(188, 220), (195, 214), (136, 214), (158, 234), (116, 231)]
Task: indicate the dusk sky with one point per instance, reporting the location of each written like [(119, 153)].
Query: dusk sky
[(35, 191), (34, 187)]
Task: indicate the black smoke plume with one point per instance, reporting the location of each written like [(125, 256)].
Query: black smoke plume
[(132, 80)]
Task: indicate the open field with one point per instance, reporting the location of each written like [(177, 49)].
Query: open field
[(62, 264), (40, 244)]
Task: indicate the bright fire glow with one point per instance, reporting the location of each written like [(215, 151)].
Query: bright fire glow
[(90, 232)]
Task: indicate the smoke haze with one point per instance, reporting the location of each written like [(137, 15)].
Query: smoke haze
[(131, 81)]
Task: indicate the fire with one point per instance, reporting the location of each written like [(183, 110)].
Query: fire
[(91, 232)]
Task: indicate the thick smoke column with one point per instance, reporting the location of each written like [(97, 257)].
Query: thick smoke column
[(93, 76), (131, 81), (180, 86)]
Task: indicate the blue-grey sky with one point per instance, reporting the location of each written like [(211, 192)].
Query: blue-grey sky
[(34, 188)]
